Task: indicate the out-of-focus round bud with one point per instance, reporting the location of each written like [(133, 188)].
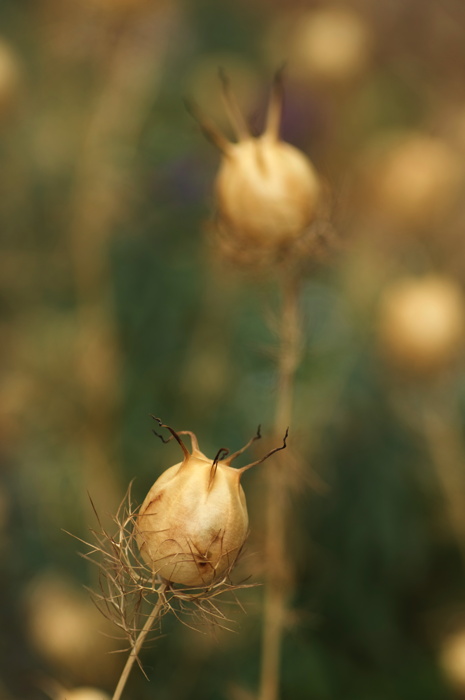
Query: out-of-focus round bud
[(331, 44), (328, 45), (421, 323), (83, 694), (193, 523), (267, 191), (415, 179), (452, 659), (65, 628)]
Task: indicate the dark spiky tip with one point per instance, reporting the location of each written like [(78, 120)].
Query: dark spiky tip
[(174, 435), (271, 452)]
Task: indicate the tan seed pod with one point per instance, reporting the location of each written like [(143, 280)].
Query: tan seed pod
[(193, 523), (67, 630), (330, 44), (267, 191), (84, 694), (421, 322), (415, 179)]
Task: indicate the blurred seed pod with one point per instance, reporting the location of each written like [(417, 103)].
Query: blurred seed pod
[(85, 694), (267, 191), (193, 523), (66, 630), (452, 659), (56, 692), (327, 45), (413, 179), (421, 323)]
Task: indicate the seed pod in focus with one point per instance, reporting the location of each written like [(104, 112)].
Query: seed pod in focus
[(421, 323), (193, 523), (267, 191)]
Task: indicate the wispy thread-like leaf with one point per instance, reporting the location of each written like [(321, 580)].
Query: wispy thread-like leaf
[(127, 588)]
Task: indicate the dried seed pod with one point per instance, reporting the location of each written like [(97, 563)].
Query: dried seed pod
[(194, 522), (421, 323), (267, 191)]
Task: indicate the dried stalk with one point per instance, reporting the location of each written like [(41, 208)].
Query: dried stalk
[(278, 565), (133, 656), (127, 586)]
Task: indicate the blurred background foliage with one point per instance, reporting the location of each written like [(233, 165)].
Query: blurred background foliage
[(114, 305)]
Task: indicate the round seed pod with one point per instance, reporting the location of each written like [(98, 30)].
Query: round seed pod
[(415, 179), (421, 323), (193, 523), (267, 191), (330, 44), (65, 628)]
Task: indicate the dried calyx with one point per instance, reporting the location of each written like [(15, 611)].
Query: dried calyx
[(267, 191), (193, 523)]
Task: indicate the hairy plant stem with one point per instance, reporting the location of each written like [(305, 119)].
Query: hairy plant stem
[(278, 566), (151, 619)]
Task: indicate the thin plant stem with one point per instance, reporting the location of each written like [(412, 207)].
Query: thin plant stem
[(152, 618), (278, 566)]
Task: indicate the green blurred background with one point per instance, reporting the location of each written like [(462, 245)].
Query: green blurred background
[(114, 304)]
